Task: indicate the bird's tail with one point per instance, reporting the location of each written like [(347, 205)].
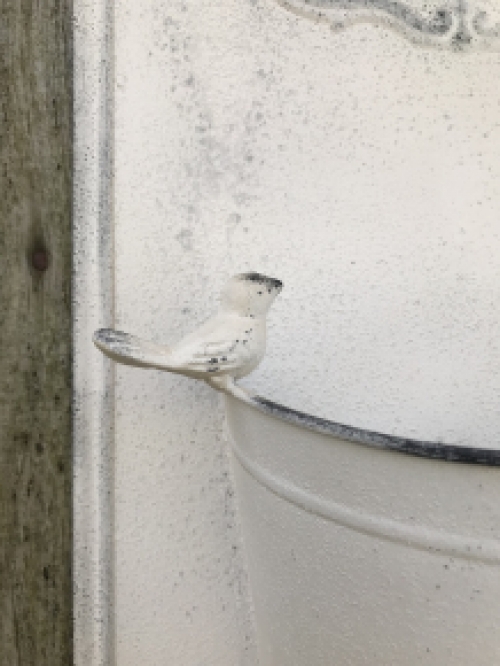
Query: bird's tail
[(131, 350)]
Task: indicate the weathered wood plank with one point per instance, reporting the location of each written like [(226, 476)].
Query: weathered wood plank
[(35, 329)]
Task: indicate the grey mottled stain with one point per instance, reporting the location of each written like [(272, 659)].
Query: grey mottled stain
[(455, 24)]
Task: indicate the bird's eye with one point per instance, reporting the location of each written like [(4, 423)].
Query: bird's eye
[(259, 292)]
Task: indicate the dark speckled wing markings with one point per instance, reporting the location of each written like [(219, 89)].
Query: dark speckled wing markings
[(212, 358), (226, 347), (450, 24), (209, 356), (210, 350)]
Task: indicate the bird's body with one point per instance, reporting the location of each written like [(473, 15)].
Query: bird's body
[(227, 346)]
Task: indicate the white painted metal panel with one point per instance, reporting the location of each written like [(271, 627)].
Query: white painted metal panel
[(360, 169), (356, 166)]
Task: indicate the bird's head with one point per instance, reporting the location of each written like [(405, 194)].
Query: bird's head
[(250, 294)]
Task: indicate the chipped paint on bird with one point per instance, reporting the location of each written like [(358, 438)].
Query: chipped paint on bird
[(217, 346)]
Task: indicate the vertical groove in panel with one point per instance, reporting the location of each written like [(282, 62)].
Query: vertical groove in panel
[(93, 307)]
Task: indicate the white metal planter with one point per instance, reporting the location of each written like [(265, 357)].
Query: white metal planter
[(366, 550), (363, 548)]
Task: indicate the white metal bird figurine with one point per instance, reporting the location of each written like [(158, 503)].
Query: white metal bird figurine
[(226, 347)]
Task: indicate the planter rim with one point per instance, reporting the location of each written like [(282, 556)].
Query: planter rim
[(423, 449)]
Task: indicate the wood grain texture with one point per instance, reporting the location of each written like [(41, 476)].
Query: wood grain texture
[(35, 330)]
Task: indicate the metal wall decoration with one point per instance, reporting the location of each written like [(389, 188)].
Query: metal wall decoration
[(226, 347), (450, 24)]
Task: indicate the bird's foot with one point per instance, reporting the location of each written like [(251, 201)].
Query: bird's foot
[(227, 384)]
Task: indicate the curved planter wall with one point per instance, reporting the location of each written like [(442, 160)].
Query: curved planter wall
[(360, 553)]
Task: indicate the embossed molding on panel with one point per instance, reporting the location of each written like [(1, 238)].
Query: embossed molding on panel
[(452, 24), (93, 303)]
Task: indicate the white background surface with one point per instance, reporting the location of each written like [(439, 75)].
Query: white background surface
[(362, 171)]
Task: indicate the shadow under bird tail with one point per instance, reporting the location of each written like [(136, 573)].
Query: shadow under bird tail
[(131, 350)]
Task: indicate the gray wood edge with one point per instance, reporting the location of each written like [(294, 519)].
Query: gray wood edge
[(35, 333), (93, 306)]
